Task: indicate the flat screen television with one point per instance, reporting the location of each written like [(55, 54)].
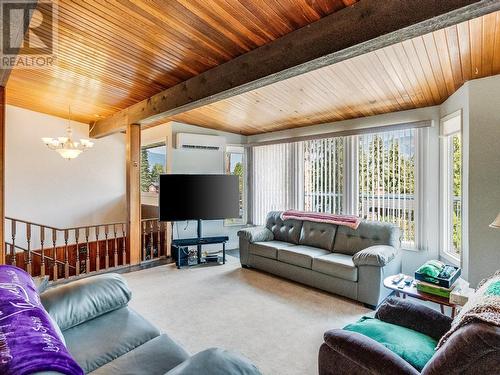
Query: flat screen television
[(198, 197)]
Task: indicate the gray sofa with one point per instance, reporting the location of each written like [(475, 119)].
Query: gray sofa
[(337, 259), (105, 336)]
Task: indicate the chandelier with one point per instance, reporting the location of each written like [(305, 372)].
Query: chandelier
[(65, 146)]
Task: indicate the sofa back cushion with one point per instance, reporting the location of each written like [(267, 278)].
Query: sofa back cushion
[(319, 235), (79, 301), (369, 233), (286, 231)]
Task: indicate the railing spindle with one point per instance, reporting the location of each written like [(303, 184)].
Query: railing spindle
[(151, 240), (166, 250), (115, 250), (98, 250), (28, 240), (42, 254), (66, 255), (158, 244), (87, 256), (13, 260), (55, 269), (143, 229), (106, 258), (77, 264), (124, 245)]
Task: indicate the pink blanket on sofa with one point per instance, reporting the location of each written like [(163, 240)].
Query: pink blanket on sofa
[(319, 217)]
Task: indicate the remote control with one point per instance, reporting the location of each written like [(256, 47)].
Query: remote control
[(396, 279)]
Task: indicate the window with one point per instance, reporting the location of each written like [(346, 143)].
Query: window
[(153, 163), (369, 175), (386, 180), (324, 175), (451, 167), (274, 179), (235, 165)]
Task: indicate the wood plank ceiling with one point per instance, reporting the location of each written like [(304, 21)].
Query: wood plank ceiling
[(114, 53), (420, 72)]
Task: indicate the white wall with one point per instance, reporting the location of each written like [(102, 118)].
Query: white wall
[(42, 187), (484, 177), (196, 162)]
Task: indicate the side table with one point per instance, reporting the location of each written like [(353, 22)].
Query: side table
[(411, 290)]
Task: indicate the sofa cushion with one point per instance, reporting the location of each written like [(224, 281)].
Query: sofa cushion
[(156, 356), (268, 249), (300, 255), (216, 361), (81, 300), (103, 339), (369, 233), (337, 265), (414, 347), (319, 235), (286, 231)]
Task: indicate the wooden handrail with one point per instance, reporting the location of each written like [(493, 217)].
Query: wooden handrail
[(63, 229)]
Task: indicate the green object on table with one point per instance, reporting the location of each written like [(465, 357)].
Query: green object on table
[(433, 290), (431, 268), (414, 347)]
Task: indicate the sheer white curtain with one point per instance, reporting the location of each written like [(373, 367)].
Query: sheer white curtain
[(276, 184)]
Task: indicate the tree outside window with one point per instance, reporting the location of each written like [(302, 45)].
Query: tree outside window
[(153, 163), (235, 165)]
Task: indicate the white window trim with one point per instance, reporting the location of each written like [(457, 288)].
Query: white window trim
[(236, 149), (445, 211)]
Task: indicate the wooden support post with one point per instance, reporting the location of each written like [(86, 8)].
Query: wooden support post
[(2, 174), (133, 135)]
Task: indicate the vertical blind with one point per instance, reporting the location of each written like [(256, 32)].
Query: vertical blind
[(386, 179), (312, 175), (324, 175), (275, 179)]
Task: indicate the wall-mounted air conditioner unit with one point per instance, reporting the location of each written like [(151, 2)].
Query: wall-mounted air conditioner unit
[(190, 141)]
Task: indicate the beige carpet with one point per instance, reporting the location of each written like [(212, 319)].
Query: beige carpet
[(276, 323)]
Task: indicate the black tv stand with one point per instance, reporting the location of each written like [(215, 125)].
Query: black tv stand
[(179, 244)]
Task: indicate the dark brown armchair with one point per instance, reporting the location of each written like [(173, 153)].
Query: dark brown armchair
[(473, 349)]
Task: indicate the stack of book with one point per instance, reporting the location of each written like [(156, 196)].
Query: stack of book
[(437, 290), (458, 293)]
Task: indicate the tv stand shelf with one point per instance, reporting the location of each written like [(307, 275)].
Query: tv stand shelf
[(178, 244)]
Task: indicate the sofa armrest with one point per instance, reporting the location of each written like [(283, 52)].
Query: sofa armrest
[(414, 316), (215, 361), (366, 353), (79, 301), (378, 255), (472, 349), (256, 234)]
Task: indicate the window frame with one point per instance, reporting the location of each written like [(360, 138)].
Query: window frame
[(352, 180), (241, 150), (446, 189), (148, 197)]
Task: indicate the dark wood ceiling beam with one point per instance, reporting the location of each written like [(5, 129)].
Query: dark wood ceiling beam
[(364, 27)]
